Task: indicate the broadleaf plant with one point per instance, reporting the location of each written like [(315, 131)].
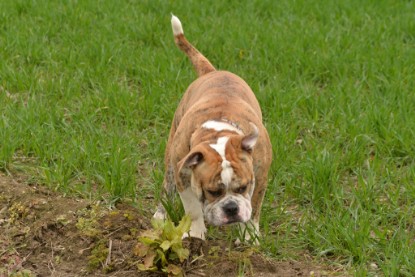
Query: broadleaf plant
[(161, 248)]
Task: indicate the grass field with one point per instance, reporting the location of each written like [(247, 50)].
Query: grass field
[(88, 90)]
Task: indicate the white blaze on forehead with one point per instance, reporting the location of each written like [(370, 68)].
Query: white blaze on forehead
[(220, 126), (227, 171), (220, 146)]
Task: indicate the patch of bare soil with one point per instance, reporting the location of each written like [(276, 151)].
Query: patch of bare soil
[(43, 233)]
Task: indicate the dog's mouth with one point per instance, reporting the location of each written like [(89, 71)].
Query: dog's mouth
[(226, 221), (231, 220)]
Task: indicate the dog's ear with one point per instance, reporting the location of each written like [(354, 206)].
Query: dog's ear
[(248, 142), (185, 167), (191, 160)]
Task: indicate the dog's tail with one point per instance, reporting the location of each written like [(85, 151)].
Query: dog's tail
[(200, 62)]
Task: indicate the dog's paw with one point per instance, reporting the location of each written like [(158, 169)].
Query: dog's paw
[(249, 232), (252, 241), (196, 232), (160, 213), (199, 235)]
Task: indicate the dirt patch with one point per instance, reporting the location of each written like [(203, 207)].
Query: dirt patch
[(43, 233)]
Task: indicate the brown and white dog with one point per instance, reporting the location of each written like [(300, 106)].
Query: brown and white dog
[(218, 152)]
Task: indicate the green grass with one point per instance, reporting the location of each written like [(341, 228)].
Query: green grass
[(88, 90)]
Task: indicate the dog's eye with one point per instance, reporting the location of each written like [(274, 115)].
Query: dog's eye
[(215, 193), (241, 189)]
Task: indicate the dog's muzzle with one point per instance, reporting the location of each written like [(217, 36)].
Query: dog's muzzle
[(229, 210)]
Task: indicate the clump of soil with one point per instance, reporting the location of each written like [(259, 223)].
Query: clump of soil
[(44, 233)]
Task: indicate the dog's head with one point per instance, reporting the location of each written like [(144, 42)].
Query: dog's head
[(221, 175)]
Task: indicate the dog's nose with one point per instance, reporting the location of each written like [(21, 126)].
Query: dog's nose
[(231, 209)]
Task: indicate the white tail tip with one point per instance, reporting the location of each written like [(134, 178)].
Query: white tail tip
[(176, 25)]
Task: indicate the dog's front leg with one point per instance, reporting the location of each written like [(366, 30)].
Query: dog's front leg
[(249, 231), (193, 208)]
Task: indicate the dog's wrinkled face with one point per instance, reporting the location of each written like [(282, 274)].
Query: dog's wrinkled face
[(222, 178)]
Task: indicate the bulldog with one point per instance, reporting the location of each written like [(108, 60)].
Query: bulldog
[(218, 152)]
